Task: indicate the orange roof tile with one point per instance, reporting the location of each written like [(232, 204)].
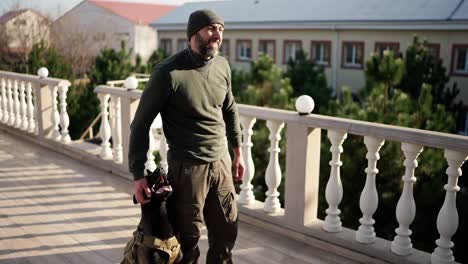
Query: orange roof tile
[(139, 13)]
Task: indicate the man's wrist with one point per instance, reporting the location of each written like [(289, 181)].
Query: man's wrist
[(237, 151)]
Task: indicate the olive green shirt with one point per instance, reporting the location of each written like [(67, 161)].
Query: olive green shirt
[(197, 109)]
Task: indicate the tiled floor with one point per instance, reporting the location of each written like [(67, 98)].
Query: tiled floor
[(56, 210)]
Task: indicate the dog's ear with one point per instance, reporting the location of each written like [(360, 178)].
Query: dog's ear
[(148, 172)]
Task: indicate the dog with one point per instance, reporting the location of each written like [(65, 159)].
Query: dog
[(154, 241)]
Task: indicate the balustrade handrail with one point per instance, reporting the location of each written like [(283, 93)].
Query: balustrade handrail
[(106, 89), (36, 104), (34, 78), (363, 128), (123, 81)]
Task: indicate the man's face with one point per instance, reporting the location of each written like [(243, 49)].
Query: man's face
[(208, 40)]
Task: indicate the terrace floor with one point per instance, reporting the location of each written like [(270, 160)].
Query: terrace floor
[(54, 209)]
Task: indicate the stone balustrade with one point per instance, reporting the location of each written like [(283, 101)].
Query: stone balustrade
[(301, 172), (35, 104), (303, 138)]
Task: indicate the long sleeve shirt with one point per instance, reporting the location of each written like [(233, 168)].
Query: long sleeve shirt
[(197, 108)]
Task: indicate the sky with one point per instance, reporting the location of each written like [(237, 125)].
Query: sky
[(56, 8)]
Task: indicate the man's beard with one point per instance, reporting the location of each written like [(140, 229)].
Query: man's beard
[(205, 49)]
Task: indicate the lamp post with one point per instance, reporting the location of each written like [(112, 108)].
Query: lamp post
[(304, 105)]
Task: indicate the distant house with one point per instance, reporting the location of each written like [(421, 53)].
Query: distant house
[(340, 35), (20, 29), (93, 25)]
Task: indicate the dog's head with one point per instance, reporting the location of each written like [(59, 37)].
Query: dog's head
[(158, 184)]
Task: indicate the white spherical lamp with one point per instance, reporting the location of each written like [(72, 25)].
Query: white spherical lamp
[(304, 104), (131, 83), (43, 72)]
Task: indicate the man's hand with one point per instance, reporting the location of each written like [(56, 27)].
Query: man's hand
[(139, 186), (238, 165)]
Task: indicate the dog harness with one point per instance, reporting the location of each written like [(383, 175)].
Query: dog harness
[(170, 246)]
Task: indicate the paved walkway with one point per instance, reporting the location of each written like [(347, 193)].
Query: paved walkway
[(54, 209)]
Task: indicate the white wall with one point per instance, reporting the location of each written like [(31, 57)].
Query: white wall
[(26, 29), (93, 28), (145, 41)]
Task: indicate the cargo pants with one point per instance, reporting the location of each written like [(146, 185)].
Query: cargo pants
[(204, 192)]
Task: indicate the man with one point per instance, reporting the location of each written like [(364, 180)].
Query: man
[(192, 91)]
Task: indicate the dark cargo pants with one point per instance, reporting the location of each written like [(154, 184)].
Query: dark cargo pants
[(204, 191)]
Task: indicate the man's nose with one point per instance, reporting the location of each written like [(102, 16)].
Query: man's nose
[(217, 34)]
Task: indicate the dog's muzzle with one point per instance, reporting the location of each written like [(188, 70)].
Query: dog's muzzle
[(170, 246)]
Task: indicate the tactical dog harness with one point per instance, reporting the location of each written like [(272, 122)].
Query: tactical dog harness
[(170, 246)]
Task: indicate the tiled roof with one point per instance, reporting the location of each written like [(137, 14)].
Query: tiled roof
[(138, 13), (265, 11), (10, 15)]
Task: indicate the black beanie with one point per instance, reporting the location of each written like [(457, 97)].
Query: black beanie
[(200, 19)]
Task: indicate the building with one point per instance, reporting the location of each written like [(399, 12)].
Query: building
[(341, 35), (94, 24), (20, 29)]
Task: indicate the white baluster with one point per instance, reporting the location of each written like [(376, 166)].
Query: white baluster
[(112, 119), (10, 114), (334, 189), (2, 92), (104, 130), (273, 171), (30, 107), (16, 98), (447, 220), (406, 208), (23, 106), (163, 148), (369, 199), (117, 131), (54, 116), (150, 164), (64, 118), (246, 195)]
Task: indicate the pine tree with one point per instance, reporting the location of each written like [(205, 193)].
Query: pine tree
[(308, 78), (385, 70), (422, 67), (156, 57)]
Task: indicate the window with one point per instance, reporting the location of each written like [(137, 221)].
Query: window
[(291, 47), (380, 47), (20, 22), (225, 47), (460, 59), (462, 121), (100, 36), (320, 52), (434, 49), (182, 44), (267, 47), (166, 45), (352, 55), (244, 50)]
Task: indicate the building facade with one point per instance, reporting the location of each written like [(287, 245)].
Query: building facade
[(21, 29), (95, 25), (339, 36)]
